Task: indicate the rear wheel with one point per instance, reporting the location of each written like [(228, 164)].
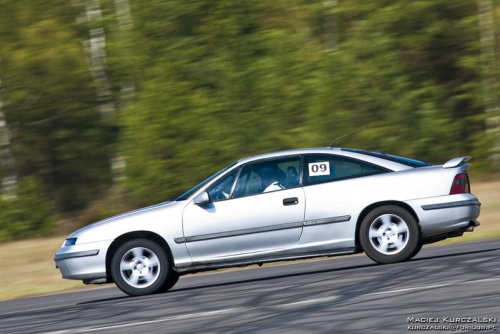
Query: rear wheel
[(141, 267), (390, 234)]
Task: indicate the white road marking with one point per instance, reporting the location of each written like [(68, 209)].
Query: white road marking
[(278, 306), (497, 278), (30, 310), (310, 301), (427, 287), (130, 324), (191, 316), (423, 287), (175, 317)]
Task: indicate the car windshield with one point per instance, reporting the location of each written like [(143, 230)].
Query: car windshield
[(402, 160), (191, 191)]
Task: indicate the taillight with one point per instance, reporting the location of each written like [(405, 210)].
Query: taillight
[(460, 184)]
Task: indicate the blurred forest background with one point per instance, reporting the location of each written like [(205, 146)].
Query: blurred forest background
[(107, 105)]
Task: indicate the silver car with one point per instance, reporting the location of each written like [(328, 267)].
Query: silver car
[(278, 206)]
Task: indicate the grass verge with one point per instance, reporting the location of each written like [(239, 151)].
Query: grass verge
[(31, 269)]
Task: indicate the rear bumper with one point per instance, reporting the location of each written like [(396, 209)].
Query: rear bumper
[(445, 214), (83, 262)]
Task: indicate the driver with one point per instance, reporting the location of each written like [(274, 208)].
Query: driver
[(270, 176)]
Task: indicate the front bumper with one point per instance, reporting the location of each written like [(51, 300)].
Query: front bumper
[(445, 214), (83, 261)]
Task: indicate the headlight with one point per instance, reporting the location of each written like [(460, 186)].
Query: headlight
[(69, 242)]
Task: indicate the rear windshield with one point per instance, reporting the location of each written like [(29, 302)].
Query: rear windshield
[(402, 160)]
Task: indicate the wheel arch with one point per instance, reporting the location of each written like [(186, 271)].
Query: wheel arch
[(131, 236), (373, 206)]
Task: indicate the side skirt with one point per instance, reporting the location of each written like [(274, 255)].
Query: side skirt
[(227, 263)]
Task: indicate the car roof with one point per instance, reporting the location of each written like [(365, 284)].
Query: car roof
[(395, 166)]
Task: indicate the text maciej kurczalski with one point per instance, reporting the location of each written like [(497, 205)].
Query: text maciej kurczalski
[(451, 320)]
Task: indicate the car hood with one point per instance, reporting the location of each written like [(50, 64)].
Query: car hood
[(109, 228)]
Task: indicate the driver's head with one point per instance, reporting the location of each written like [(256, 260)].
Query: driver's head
[(269, 174)]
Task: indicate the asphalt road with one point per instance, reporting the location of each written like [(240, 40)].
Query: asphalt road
[(348, 294)]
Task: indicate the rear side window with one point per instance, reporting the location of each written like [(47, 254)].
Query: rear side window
[(327, 168), (391, 157)]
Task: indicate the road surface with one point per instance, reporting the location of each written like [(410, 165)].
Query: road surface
[(337, 295)]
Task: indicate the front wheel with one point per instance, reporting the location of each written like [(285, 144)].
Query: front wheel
[(141, 267), (389, 234), (171, 281)]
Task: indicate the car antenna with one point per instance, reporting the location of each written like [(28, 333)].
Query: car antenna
[(347, 134)]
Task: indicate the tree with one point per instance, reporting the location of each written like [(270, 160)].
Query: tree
[(408, 69), (219, 81), (50, 104)]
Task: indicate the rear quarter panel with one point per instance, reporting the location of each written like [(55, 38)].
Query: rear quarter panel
[(352, 196)]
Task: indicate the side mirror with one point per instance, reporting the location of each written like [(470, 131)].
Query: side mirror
[(201, 199)]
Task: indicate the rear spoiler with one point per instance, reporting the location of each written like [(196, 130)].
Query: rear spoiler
[(455, 162)]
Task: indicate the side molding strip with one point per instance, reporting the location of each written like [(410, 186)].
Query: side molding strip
[(75, 254), (239, 232), (327, 220), (263, 229), (450, 205)]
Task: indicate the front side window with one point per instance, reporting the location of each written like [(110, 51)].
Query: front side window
[(221, 190), (268, 176), (191, 191), (326, 168)]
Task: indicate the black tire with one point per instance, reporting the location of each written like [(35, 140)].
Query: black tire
[(146, 270), (171, 281), (417, 250), (395, 234)]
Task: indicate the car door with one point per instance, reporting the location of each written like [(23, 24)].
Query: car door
[(333, 187), (248, 212)]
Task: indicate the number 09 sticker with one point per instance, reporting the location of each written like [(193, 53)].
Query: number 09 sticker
[(319, 168)]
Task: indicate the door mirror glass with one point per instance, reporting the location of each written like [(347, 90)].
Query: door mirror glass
[(201, 198)]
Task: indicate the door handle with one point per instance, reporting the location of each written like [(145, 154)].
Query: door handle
[(290, 201)]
